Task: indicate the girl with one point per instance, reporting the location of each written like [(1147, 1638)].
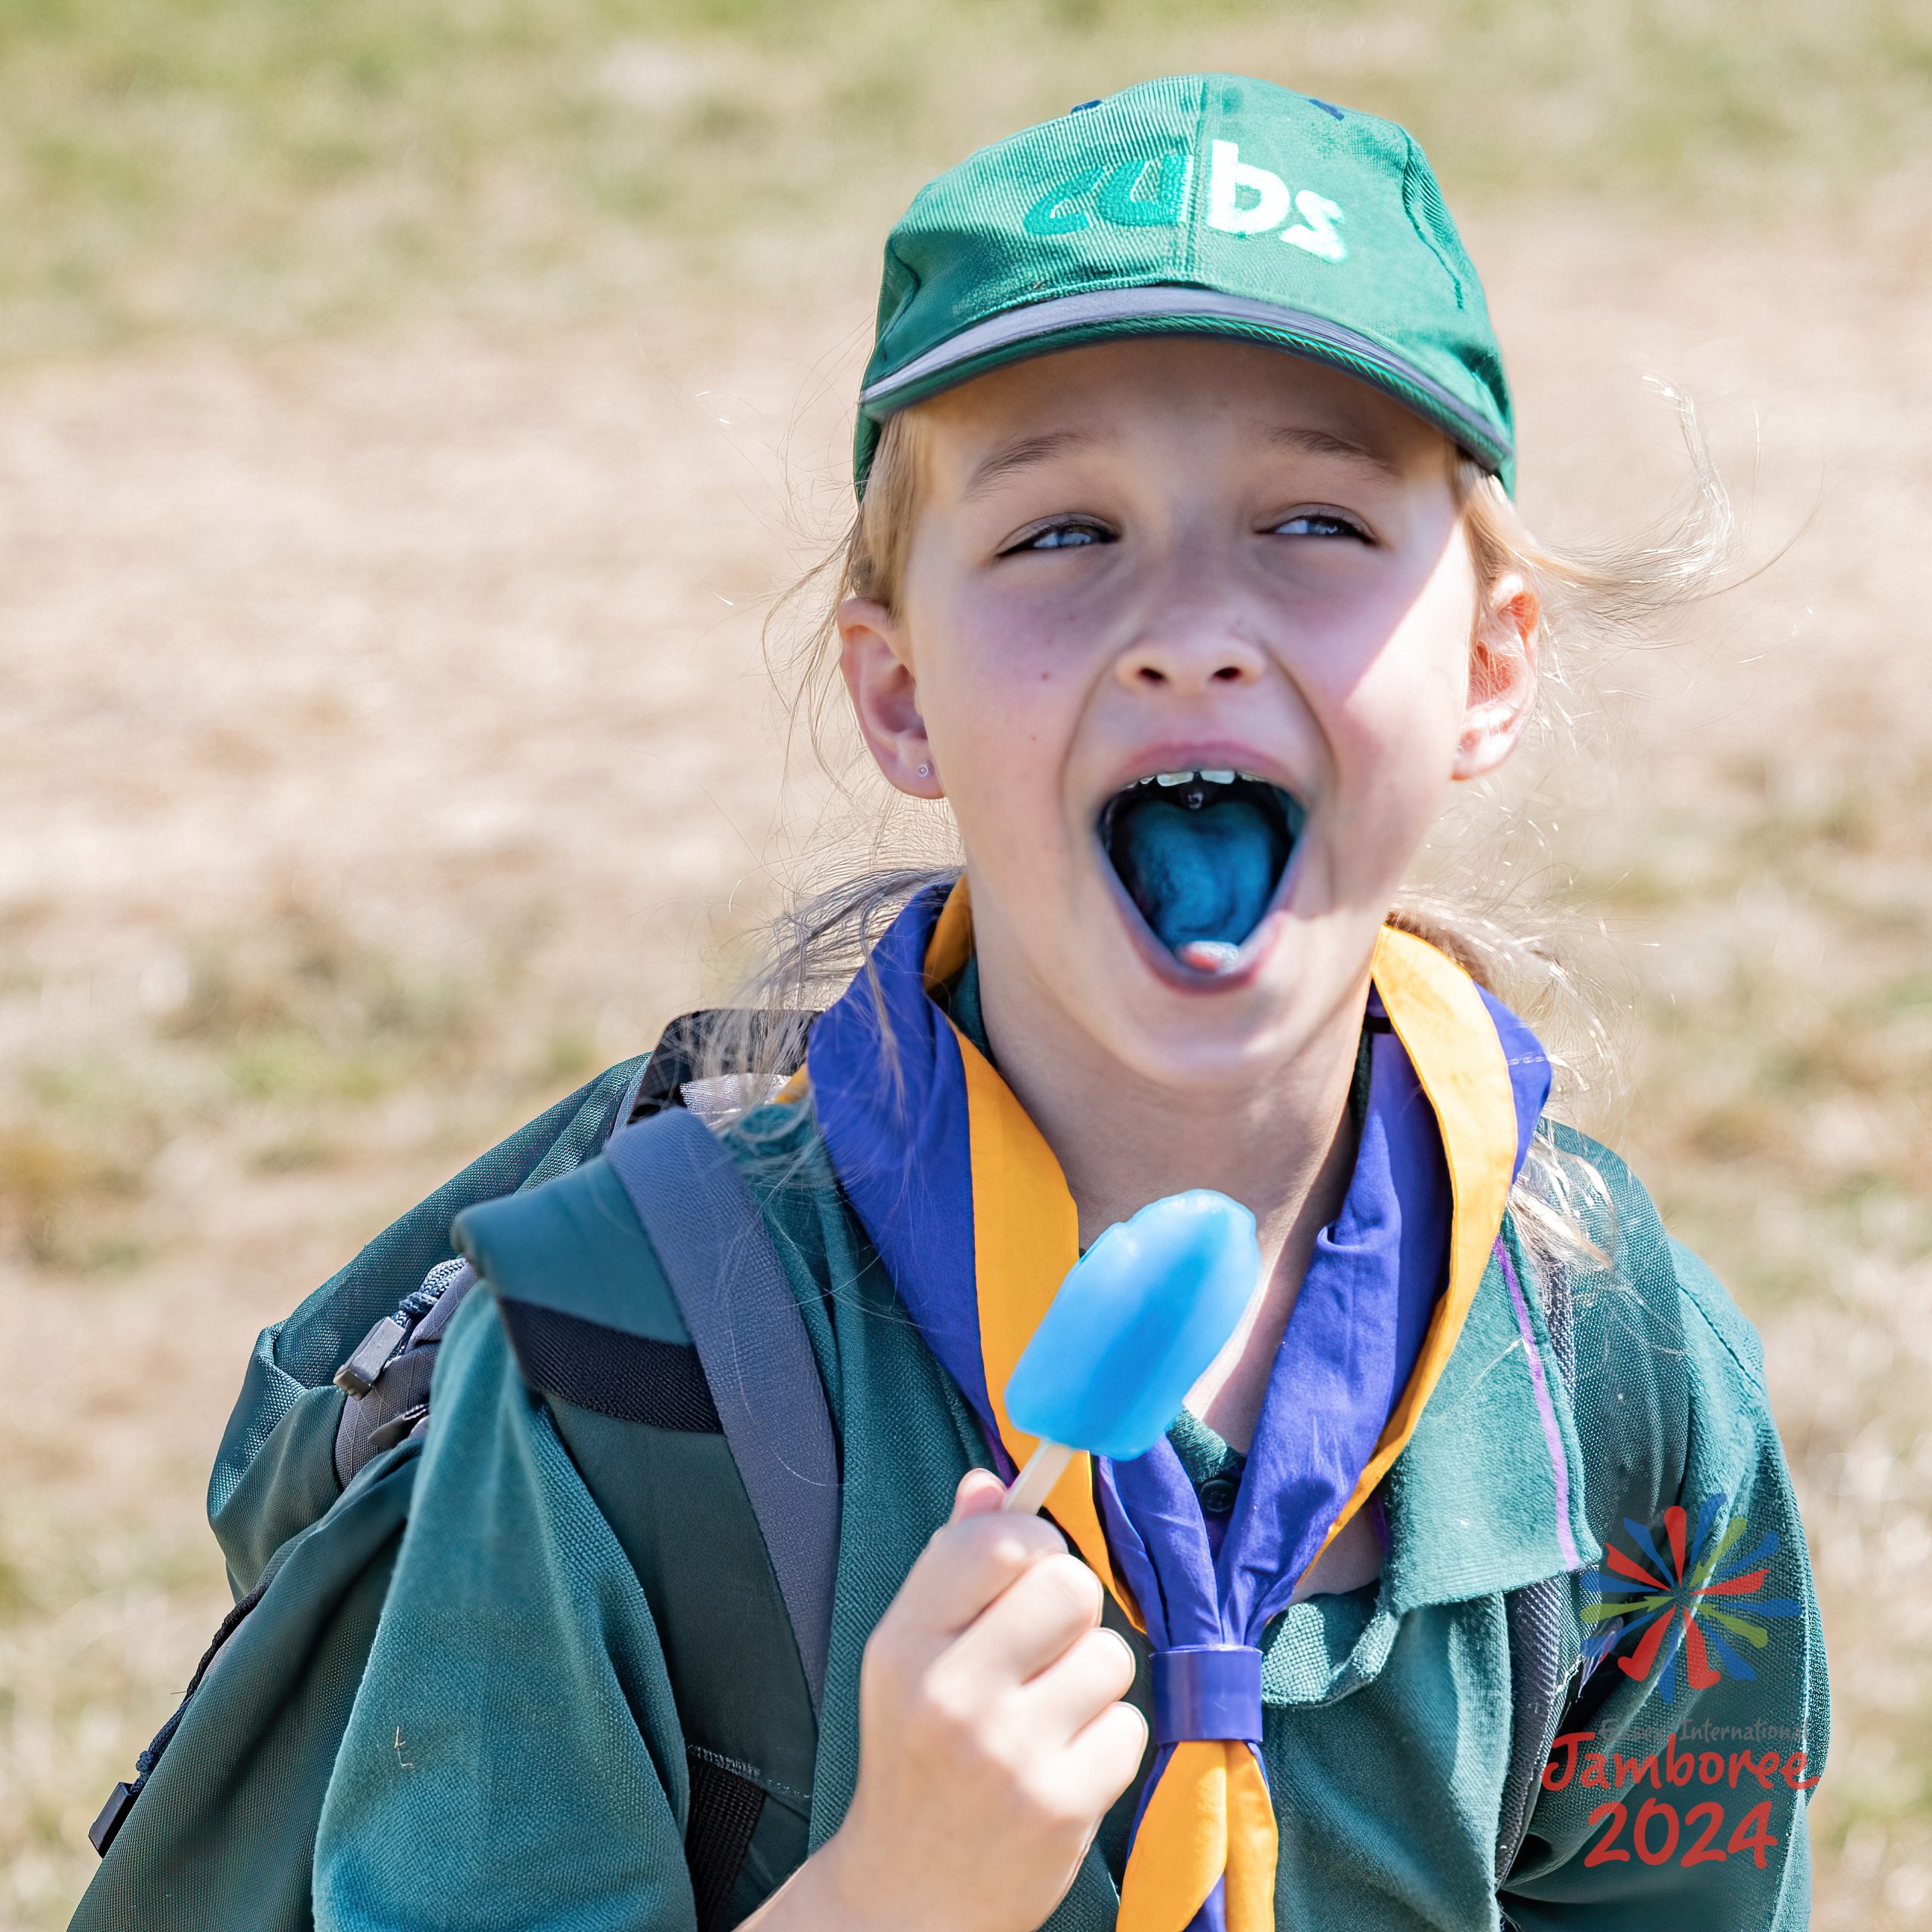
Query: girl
[(1185, 571)]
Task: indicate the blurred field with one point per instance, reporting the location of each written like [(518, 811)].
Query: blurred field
[(406, 410)]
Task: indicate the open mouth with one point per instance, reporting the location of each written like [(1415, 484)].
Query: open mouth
[(1201, 854)]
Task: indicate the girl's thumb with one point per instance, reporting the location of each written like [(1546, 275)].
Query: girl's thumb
[(979, 1494)]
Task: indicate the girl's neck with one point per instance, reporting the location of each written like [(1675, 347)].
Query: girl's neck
[(1282, 1146)]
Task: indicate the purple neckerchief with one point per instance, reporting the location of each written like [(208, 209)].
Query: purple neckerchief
[(895, 1127), (1346, 1356)]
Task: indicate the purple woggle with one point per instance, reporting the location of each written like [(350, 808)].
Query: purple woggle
[(1208, 1691)]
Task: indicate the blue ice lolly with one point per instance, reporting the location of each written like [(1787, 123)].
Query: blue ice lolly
[(1136, 1324)]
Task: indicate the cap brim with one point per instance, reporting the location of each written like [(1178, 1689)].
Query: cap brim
[(1065, 322)]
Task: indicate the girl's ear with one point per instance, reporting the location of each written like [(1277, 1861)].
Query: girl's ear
[(1502, 676), (885, 696)]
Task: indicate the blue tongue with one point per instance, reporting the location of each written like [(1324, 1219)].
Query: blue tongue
[(1204, 875)]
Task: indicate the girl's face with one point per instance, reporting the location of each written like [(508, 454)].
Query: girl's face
[(1167, 556)]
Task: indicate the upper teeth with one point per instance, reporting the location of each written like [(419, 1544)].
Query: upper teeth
[(1188, 777)]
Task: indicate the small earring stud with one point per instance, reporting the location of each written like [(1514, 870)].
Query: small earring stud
[(925, 771)]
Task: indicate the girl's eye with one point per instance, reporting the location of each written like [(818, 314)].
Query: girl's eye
[(1319, 523), (1071, 535)]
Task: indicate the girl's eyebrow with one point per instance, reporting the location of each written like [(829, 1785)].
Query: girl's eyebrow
[(1300, 439), (1022, 453)]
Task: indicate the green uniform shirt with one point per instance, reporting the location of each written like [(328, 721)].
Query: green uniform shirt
[(515, 1757)]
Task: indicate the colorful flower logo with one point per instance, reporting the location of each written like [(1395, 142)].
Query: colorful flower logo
[(1696, 1602)]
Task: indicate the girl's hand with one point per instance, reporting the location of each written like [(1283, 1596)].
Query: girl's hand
[(992, 1738)]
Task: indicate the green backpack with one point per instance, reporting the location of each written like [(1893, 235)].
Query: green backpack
[(311, 1493), (649, 1310)]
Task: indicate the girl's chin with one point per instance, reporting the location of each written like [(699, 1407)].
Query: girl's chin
[(1186, 1028)]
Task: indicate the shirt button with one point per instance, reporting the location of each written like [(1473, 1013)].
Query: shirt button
[(1217, 1495)]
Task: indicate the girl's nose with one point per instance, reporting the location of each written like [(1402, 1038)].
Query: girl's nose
[(1188, 662)]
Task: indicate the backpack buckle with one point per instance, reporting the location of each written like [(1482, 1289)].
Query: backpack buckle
[(120, 1802), (358, 1374)]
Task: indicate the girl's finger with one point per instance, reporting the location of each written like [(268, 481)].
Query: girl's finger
[(1104, 1758), (969, 1564), (1096, 1670), (1034, 1622)]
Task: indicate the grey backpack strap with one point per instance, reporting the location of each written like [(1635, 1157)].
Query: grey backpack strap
[(712, 1243), (1539, 1623), (1537, 1615)]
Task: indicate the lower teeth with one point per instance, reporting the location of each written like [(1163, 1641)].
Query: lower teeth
[(1207, 956)]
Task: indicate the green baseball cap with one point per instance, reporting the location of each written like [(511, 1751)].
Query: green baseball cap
[(1205, 204)]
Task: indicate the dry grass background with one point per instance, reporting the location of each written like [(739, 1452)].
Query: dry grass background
[(406, 408)]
